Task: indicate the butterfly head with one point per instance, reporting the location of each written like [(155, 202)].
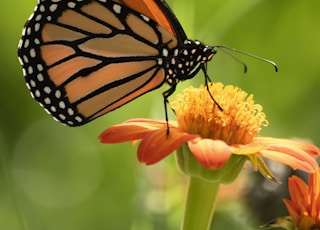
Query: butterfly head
[(188, 60)]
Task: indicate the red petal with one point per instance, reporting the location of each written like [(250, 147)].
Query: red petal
[(212, 154), (157, 144), (130, 130)]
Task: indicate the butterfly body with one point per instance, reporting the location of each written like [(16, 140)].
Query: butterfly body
[(84, 58)]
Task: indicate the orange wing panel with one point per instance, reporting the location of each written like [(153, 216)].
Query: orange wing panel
[(151, 9)]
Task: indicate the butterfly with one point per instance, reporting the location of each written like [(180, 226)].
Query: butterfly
[(84, 58)]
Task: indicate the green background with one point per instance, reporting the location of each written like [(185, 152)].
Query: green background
[(55, 177)]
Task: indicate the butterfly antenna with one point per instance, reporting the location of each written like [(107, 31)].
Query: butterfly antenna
[(224, 48)]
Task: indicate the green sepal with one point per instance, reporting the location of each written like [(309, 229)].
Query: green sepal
[(189, 165), (284, 222)]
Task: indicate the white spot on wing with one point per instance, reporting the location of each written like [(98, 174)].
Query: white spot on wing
[(70, 123), (53, 7), (70, 111), (62, 105), (40, 77), (42, 8), (36, 41), (32, 53), (145, 18), (47, 100), (38, 18), (165, 52), (28, 31), (30, 70), (20, 44), (32, 83), (24, 72), (47, 89), (117, 8), (26, 43), (78, 119), (53, 109), (37, 27), (37, 93), (71, 4), (58, 94), (40, 67), (25, 59), (63, 117)]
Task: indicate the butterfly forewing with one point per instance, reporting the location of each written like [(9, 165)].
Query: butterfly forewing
[(82, 59), (158, 11)]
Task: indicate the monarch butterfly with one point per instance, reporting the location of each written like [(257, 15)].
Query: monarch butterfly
[(84, 58)]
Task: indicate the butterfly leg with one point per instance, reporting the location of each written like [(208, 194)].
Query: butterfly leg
[(207, 80), (166, 94), (203, 66)]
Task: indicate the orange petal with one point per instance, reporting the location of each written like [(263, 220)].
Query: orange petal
[(297, 155), (157, 144), (212, 154), (314, 192), (308, 148), (299, 198), (298, 191), (293, 211), (130, 130), (154, 123), (296, 159)]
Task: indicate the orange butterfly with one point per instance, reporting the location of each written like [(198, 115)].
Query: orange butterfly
[(84, 58)]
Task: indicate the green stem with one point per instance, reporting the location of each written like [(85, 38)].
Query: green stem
[(200, 204)]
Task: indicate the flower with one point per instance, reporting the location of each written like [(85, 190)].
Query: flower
[(304, 206), (213, 136)]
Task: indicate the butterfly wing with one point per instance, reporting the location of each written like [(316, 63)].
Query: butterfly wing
[(83, 59), (160, 12)]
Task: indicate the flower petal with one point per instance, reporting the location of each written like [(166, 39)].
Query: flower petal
[(314, 193), (157, 144), (310, 149), (248, 149), (297, 155), (304, 205), (212, 154), (296, 159), (293, 210), (130, 130), (298, 191), (154, 123)]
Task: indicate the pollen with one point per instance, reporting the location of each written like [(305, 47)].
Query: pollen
[(238, 123)]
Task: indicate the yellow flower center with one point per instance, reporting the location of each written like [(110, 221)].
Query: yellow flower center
[(238, 123)]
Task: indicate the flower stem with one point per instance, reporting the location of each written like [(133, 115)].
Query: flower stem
[(200, 204)]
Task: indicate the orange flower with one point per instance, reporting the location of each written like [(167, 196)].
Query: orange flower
[(304, 206), (213, 135)]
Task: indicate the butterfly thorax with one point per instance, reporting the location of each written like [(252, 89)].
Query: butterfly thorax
[(185, 62)]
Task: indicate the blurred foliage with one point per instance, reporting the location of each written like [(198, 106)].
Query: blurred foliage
[(55, 177)]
